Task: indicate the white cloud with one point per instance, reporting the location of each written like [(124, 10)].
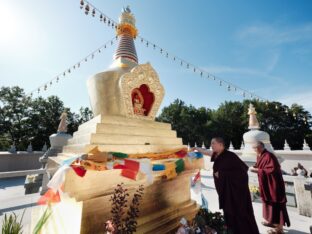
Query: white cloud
[(275, 34), (251, 72), (303, 98)]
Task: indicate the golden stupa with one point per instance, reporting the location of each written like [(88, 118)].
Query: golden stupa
[(125, 100)]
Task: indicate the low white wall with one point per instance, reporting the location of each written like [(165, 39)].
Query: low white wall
[(20, 161)]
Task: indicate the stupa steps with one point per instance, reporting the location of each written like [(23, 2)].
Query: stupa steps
[(129, 149), (110, 139), (123, 121), (166, 221), (109, 128)]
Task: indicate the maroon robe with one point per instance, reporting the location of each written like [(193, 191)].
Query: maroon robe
[(234, 196), (272, 189)]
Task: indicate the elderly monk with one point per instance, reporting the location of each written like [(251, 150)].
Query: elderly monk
[(272, 189), (231, 181)]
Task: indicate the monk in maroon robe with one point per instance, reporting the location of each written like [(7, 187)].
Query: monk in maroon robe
[(231, 181), (272, 189)]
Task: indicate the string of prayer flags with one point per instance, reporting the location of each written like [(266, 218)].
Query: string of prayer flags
[(119, 155), (146, 168), (79, 170), (179, 165), (177, 153), (170, 171), (195, 155), (159, 167), (49, 197), (55, 186), (98, 156), (131, 169), (71, 160), (181, 153), (58, 178), (195, 179), (92, 165)]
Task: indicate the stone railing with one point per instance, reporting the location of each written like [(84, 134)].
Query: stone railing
[(43, 172), (20, 161)]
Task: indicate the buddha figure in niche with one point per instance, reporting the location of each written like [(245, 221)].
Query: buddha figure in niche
[(138, 102)]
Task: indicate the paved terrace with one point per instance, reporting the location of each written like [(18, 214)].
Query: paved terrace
[(12, 199)]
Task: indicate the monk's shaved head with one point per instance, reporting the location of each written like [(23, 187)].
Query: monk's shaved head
[(217, 144), (260, 144), (220, 140)]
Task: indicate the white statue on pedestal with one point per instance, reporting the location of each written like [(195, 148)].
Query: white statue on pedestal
[(252, 136), (253, 122), (60, 139), (62, 128)]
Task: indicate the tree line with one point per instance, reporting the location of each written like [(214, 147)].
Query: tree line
[(230, 120), (24, 119)]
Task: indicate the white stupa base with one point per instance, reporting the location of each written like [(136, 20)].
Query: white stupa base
[(59, 140)]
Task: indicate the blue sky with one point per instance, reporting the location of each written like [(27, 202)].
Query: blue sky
[(262, 46)]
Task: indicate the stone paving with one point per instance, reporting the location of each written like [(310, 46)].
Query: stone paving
[(12, 199)]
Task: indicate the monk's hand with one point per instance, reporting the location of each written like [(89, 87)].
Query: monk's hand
[(193, 149), (216, 174), (253, 169)]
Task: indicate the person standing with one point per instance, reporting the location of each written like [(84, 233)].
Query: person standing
[(231, 182), (272, 189)]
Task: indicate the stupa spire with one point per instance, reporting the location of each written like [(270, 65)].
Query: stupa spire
[(126, 33)]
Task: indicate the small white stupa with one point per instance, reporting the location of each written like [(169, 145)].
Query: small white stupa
[(203, 145), (231, 146), (29, 148), (286, 146), (242, 146), (12, 149), (305, 145), (252, 136), (45, 147)]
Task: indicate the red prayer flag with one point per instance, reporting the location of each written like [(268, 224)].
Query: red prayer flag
[(182, 153), (49, 197), (131, 169), (129, 173), (119, 166), (80, 171), (132, 165)]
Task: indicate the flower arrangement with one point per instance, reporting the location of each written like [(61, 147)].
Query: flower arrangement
[(209, 222), (254, 192), (122, 221)]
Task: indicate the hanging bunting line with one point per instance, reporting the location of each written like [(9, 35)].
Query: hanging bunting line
[(88, 7), (70, 69), (246, 94)]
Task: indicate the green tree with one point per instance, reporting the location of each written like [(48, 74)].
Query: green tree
[(189, 122), (14, 112), (24, 120), (230, 121)]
